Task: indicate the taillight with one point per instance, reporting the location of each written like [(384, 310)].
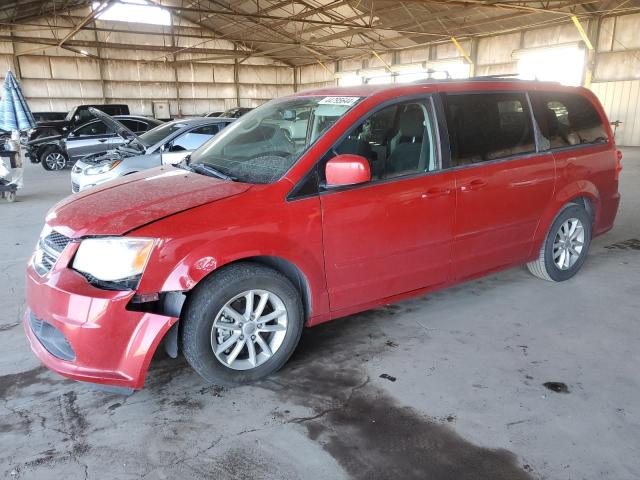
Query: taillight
[(618, 164)]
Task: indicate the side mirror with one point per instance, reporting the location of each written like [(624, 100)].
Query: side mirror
[(347, 169), (172, 158)]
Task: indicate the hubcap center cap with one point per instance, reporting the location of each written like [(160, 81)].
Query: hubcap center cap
[(249, 328)]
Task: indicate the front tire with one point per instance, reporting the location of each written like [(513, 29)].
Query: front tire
[(241, 324), (565, 248), (52, 158)]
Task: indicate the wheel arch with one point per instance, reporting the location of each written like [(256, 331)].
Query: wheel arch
[(587, 203), (285, 267), (293, 273), (582, 193)]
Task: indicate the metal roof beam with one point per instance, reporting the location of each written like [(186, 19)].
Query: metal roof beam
[(52, 42)]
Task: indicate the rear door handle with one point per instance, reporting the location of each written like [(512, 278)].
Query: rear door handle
[(436, 192), (473, 185), (102, 140)]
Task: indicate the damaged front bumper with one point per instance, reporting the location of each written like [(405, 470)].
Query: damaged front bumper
[(89, 334)]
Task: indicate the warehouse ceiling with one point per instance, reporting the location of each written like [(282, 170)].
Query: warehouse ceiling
[(298, 32)]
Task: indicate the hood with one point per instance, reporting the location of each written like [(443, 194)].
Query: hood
[(53, 123), (41, 140), (118, 207), (115, 125)]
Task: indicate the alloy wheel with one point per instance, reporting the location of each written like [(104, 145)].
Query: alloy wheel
[(249, 329), (55, 161), (568, 243)]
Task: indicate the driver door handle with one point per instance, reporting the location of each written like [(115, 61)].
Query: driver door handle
[(476, 184), (102, 140), (436, 192)]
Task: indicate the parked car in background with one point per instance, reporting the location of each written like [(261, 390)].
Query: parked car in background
[(213, 114), (235, 112), (394, 192), (166, 144), (49, 116), (74, 118), (56, 152)]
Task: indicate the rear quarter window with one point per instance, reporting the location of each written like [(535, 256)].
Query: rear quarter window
[(567, 120)]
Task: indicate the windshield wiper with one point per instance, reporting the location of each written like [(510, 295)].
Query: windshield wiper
[(207, 169), (182, 166)]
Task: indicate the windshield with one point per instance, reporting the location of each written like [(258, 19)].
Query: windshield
[(160, 132), (263, 144)]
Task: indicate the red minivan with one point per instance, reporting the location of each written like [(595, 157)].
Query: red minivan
[(313, 207)]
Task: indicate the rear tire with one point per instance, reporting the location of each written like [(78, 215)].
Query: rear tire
[(565, 248), (225, 341), (52, 158)]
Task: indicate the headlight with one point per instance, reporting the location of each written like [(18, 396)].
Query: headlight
[(104, 168), (115, 263)]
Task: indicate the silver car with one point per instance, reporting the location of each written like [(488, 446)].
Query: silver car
[(168, 143)]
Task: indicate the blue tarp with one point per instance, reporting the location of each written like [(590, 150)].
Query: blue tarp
[(14, 111)]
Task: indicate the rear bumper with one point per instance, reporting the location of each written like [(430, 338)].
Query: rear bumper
[(607, 217), (111, 345), (31, 154)]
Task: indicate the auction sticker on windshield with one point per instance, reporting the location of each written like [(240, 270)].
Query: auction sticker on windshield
[(348, 101)]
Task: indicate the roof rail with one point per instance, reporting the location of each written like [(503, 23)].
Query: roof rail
[(512, 77), (497, 75)]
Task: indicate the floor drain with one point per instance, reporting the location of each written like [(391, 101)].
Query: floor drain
[(557, 387)]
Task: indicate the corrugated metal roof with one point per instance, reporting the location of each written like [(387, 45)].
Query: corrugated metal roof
[(298, 32)]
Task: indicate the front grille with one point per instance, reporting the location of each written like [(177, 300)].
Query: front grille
[(56, 241), (75, 188), (48, 251), (52, 339)]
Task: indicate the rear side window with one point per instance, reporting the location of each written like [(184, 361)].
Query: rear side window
[(93, 128), (567, 119), (488, 126), (134, 125), (193, 139)]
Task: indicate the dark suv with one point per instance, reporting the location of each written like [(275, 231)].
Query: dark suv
[(76, 117)]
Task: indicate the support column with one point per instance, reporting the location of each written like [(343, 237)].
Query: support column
[(236, 77), (100, 64), (464, 55), (14, 58), (473, 55), (295, 79), (595, 24), (588, 67), (175, 68)]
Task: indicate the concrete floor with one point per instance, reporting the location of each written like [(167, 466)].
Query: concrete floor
[(448, 386)]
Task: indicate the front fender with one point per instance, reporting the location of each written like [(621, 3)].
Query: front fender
[(195, 243), (212, 255)]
